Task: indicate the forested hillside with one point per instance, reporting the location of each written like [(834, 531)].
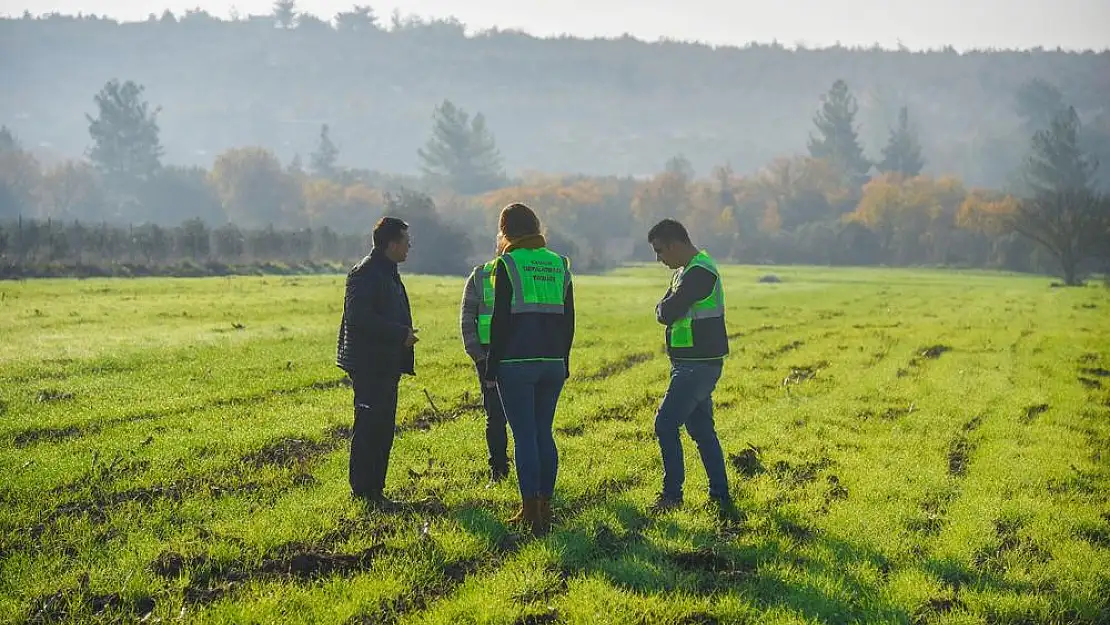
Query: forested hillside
[(555, 105), (282, 138)]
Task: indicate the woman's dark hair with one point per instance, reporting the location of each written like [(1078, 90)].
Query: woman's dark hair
[(517, 220)]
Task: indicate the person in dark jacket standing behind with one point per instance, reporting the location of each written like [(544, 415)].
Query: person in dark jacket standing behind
[(475, 317), (531, 333), (375, 348), (693, 310)]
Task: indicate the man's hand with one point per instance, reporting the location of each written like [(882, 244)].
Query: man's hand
[(411, 339)]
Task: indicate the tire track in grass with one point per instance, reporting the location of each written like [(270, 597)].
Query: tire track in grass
[(50, 434), (618, 366), (295, 455), (457, 573)]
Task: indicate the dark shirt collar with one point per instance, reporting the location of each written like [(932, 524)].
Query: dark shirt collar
[(378, 257)]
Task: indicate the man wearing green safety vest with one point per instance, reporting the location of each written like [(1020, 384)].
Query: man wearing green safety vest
[(475, 317), (693, 310)]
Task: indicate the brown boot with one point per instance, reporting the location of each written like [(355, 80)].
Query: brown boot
[(533, 516), (545, 513)]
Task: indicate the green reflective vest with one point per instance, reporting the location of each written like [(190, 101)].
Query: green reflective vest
[(483, 276), (540, 280), (681, 332)]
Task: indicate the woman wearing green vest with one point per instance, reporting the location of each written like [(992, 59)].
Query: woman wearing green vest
[(529, 354)]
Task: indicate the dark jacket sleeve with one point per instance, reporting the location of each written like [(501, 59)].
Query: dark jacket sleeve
[(568, 318), (499, 324), (358, 306), (697, 284)]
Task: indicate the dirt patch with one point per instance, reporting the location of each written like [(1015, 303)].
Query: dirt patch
[(550, 616), (52, 395), (433, 415), (1090, 382), (35, 435), (796, 530), (890, 413), (933, 352), (1088, 357), (803, 373), (748, 462), (574, 430), (1096, 372), (30, 436), (314, 563), (71, 605), (707, 561), (698, 618), (789, 347), (836, 490), (289, 452), (626, 411), (993, 558), (796, 475), (623, 364), (934, 607), (1097, 535), (1032, 412), (960, 449)]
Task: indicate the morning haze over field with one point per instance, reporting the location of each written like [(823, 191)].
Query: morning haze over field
[(913, 242)]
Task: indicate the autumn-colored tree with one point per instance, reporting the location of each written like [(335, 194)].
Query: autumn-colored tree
[(72, 190), (20, 181), (912, 217), (254, 188)]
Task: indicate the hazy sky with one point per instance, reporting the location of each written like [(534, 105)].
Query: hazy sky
[(963, 24)]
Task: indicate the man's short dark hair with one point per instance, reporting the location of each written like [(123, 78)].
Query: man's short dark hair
[(668, 231), (388, 230)]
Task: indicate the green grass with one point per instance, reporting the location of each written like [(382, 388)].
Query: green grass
[(933, 447)]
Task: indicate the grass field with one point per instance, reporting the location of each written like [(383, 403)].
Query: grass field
[(932, 447)]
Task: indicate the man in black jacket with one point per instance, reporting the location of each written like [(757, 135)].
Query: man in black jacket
[(375, 348)]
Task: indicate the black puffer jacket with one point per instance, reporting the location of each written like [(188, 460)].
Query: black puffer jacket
[(376, 321)]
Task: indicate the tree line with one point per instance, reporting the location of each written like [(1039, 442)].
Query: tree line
[(833, 205), (559, 104)]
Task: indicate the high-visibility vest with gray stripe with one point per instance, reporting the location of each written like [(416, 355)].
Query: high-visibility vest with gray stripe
[(484, 278), (680, 336), (540, 279)]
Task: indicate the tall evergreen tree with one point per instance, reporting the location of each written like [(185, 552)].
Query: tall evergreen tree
[(1061, 211), (324, 158), (285, 13), (461, 153), (902, 154), (837, 140), (126, 147), (8, 142)]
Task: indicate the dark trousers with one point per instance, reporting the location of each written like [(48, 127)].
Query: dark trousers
[(530, 393), (372, 439), (497, 436)]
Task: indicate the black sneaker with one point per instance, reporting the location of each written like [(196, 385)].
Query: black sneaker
[(378, 501), (664, 504), (497, 475)]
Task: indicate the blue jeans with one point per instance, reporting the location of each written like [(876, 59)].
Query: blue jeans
[(689, 401), (529, 394)]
